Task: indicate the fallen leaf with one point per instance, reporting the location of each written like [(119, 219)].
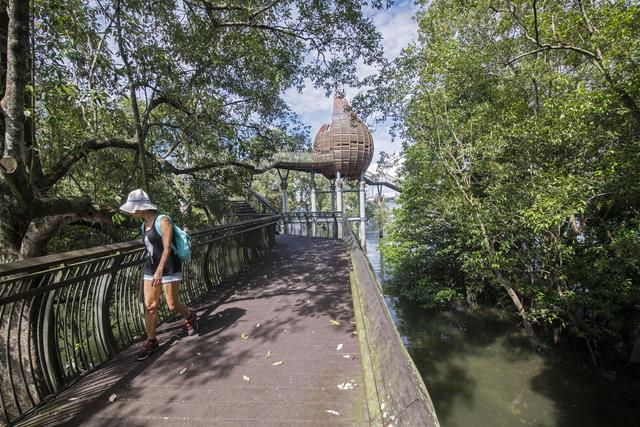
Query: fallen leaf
[(71, 399), (279, 362), (246, 378), (183, 370), (198, 354), (113, 397), (245, 336), (335, 322), (339, 347), (345, 386), (268, 354), (332, 412), (346, 356), (258, 325)]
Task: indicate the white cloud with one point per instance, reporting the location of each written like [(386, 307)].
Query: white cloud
[(397, 26)]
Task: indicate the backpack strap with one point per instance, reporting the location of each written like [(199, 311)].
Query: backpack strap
[(156, 224)]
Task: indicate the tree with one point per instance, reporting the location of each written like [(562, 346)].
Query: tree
[(102, 96), (522, 127)]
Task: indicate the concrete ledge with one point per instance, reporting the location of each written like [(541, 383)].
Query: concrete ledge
[(396, 393)]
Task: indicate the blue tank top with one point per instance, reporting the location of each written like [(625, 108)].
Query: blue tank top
[(153, 244)]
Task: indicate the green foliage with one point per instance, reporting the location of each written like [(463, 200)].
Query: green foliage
[(197, 85), (521, 166)]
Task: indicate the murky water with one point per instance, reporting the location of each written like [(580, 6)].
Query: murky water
[(480, 371)]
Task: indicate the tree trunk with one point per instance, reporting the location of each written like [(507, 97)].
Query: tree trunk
[(13, 226), (533, 338), (38, 234)]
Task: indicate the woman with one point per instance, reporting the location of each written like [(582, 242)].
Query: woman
[(163, 267)]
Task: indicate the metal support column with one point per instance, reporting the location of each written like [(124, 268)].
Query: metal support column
[(363, 214), (339, 202), (284, 185), (332, 194), (314, 208)]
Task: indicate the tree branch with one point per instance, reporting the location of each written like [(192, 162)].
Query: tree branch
[(59, 170), (139, 133)]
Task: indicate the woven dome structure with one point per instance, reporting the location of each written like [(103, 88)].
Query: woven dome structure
[(346, 143)]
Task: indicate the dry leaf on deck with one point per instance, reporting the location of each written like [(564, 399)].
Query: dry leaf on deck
[(268, 354), (339, 347), (183, 370), (245, 336), (113, 397), (279, 362), (332, 412), (335, 322), (246, 378)]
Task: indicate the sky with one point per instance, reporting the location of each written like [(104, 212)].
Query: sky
[(398, 27)]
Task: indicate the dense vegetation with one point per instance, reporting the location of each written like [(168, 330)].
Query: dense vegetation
[(180, 97), (521, 172)]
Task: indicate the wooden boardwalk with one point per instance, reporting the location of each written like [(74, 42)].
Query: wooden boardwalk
[(278, 348)]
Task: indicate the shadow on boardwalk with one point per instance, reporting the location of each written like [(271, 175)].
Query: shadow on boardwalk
[(279, 311)]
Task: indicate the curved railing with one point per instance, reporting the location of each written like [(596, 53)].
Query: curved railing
[(62, 316)]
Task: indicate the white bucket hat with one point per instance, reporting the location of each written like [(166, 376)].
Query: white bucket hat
[(138, 200)]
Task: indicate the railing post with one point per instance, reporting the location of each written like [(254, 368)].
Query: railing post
[(103, 312)]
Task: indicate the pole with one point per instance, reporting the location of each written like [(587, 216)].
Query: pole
[(313, 204), (339, 202), (363, 214)]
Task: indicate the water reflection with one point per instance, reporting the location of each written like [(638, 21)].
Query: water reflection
[(480, 371)]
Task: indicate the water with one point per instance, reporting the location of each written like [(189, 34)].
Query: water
[(480, 371)]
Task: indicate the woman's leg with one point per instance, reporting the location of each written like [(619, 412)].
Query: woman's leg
[(151, 298), (172, 294)]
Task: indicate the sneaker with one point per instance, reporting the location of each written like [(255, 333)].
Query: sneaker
[(192, 324), (147, 349)]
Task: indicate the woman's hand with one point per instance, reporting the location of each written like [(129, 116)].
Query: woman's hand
[(157, 279)]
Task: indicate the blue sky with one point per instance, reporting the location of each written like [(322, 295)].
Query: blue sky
[(398, 27)]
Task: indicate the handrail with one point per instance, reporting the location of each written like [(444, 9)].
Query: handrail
[(64, 315), (396, 393), (264, 202), (110, 249)]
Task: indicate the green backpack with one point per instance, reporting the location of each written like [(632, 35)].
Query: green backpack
[(180, 242)]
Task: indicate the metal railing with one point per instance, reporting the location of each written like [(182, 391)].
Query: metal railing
[(312, 224), (64, 315)]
